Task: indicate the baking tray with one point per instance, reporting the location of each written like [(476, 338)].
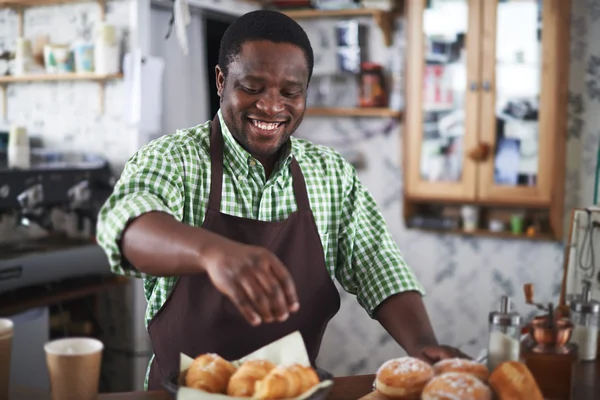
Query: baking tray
[(170, 382)]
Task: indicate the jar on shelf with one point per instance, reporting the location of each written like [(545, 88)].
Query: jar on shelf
[(372, 85), (584, 316)]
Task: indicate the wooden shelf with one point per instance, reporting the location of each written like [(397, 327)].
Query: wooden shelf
[(100, 79), (385, 19), (353, 112), (498, 235), (58, 77), (35, 3)]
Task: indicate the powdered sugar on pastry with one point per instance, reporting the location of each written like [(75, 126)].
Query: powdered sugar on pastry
[(403, 377), (456, 386)]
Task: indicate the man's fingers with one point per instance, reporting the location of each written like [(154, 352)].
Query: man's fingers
[(284, 278), (256, 295), (274, 294), (240, 300)]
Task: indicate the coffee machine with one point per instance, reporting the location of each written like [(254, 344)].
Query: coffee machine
[(48, 218)]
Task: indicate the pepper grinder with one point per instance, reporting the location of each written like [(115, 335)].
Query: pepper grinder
[(504, 335), (584, 315)]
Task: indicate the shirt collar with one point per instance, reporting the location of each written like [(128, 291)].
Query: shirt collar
[(239, 160)]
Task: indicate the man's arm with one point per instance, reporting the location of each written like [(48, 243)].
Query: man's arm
[(405, 318), (142, 229), (371, 266)]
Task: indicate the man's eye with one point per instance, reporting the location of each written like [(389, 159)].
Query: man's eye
[(250, 90), (292, 94)]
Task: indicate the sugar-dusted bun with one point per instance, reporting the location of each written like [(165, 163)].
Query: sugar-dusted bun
[(474, 368), (512, 380), (456, 386), (403, 378)]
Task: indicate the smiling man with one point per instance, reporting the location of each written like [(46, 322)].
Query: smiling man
[(239, 229)]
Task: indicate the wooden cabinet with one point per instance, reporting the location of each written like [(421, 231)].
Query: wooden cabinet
[(485, 123)]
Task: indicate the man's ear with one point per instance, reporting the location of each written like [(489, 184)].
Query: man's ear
[(220, 81)]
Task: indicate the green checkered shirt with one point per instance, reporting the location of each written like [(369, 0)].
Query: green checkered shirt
[(172, 174)]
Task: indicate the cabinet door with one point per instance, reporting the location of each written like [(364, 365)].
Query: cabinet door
[(442, 98), (524, 60)]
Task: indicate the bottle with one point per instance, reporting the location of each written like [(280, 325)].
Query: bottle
[(18, 152), (584, 316), (106, 50), (504, 335)]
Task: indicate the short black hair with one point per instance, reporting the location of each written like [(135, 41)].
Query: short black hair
[(263, 25)]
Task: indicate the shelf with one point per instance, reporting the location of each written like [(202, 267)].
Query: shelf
[(35, 3), (484, 233), (353, 112), (58, 77), (100, 79), (385, 19)]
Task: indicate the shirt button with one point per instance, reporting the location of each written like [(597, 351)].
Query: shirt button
[(241, 178), (252, 163)]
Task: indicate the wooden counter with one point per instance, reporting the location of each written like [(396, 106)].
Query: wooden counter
[(586, 386)]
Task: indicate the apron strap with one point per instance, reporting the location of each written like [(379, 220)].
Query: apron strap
[(300, 191), (216, 166)]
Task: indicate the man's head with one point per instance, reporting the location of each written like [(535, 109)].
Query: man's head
[(265, 64)]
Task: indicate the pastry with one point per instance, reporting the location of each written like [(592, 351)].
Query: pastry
[(283, 382), (456, 385), (242, 381), (513, 380), (210, 373), (403, 378), (474, 368)]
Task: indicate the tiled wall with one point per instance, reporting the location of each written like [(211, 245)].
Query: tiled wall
[(464, 277)]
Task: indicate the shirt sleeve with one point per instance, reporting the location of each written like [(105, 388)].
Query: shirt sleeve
[(150, 181), (369, 262)]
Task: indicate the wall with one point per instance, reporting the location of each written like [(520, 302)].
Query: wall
[(65, 115), (464, 277)]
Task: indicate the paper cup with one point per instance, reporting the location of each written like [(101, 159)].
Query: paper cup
[(74, 368), (6, 334)]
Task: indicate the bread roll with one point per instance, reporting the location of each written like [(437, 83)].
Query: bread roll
[(403, 378), (210, 373), (284, 382), (474, 368), (512, 380), (454, 386), (243, 380)]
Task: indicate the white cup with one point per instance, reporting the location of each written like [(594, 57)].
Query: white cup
[(74, 368)]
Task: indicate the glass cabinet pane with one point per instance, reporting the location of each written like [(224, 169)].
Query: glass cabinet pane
[(445, 25), (517, 91)]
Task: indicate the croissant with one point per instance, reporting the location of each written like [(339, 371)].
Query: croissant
[(210, 373), (284, 382), (243, 380)]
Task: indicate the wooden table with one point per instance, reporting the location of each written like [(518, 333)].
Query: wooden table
[(345, 388), (586, 386)]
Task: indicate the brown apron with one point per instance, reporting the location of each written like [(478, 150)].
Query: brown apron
[(197, 318)]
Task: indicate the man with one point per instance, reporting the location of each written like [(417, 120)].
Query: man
[(238, 229)]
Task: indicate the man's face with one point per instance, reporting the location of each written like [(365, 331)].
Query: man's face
[(264, 96)]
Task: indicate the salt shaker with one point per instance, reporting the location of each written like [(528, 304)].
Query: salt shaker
[(504, 335), (584, 316)]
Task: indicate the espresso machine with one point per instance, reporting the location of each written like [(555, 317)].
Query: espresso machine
[(48, 215)]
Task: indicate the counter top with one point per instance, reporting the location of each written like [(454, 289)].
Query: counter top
[(586, 385)]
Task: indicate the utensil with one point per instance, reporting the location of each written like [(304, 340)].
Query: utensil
[(528, 290)]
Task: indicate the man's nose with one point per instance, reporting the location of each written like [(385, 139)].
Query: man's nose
[(271, 103)]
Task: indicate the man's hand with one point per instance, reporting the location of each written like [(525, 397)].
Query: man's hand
[(255, 280), (433, 354)]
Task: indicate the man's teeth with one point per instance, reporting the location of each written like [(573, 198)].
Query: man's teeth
[(267, 126)]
